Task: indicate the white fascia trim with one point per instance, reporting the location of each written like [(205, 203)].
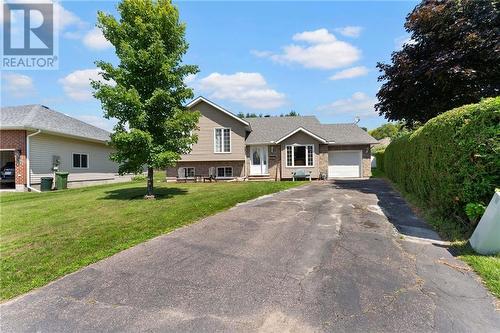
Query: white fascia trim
[(305, 131), (261, 143), (351, 144), (28, 171), (203, 99), (83, 138)]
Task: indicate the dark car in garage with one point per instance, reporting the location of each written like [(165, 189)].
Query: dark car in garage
[(8, 171)]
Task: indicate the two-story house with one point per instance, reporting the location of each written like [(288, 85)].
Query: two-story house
[(272, 147)]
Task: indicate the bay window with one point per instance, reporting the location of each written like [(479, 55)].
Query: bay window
[(300, 155)]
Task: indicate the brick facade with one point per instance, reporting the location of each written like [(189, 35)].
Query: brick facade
[(274, 154), (16, 140), (202, 168), (323, 159)]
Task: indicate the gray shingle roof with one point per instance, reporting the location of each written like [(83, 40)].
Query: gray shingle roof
[(271, 129), (41, 117), (342, 133)]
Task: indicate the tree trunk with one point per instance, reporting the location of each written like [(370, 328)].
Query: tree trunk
[(150, 194)]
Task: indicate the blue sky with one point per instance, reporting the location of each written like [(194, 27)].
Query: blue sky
[(264, 57)]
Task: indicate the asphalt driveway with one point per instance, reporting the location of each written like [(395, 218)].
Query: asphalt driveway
[(342, 256)]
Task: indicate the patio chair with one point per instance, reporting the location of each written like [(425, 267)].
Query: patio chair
[(212, 175), (301, 174), (181, 175)]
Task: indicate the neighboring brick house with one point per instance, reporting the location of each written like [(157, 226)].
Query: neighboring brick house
[(39, 141), (272, 147), (13, 150)]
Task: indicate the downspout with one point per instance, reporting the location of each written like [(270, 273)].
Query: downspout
[(28, 175)]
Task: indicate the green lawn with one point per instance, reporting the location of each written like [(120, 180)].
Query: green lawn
[(486, 266), (46, 235)]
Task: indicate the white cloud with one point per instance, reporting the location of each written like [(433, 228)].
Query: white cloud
[(95, 40), (248, 89), (76, 85), (65, 19), (350, 73), (400, 41), (320, 36), (350, 31), (261, 54), (66, 23), (98, 121), (320, 49), (73, 35), (17, 85), (359, 104), (190, 78)]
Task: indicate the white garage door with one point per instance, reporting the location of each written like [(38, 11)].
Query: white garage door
[(345, 164)]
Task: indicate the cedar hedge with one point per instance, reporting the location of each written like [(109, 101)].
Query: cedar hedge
[(452, 160), (379, 158)]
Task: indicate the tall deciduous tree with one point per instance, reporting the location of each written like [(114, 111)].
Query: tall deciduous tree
[(389, 130), (147, 92), (453, 58)]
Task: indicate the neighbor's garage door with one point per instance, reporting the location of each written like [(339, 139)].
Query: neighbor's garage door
[(344, 163)]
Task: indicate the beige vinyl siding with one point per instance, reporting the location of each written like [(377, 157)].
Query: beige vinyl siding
[(210, 119), (44, 146), (300, 138)]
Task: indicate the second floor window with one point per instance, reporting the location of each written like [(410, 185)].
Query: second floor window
[(222, 140)]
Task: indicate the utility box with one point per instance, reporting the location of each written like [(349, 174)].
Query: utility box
[(486, 237), (46, 184)]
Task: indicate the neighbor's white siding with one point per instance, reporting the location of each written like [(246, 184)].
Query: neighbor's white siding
[(44, 146)]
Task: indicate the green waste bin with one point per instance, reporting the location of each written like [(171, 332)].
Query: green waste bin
[(62, 180), (46, 184)]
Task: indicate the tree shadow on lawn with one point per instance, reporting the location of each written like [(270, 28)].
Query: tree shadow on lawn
[(137, 193)]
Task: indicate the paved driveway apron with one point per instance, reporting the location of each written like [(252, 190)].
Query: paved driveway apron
[(322, 257)]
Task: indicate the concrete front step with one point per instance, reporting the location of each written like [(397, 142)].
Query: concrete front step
[(261, 178)]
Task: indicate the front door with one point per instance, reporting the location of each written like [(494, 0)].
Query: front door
[(258, 160)]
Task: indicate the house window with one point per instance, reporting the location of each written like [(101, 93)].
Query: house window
[(222, 140), (289, 156), (80, 160), (186, 172), (300, 155), (224, 172), (310, 154)]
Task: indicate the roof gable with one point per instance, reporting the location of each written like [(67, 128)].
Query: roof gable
[(271, 129), (217, 107), (300, 129)]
